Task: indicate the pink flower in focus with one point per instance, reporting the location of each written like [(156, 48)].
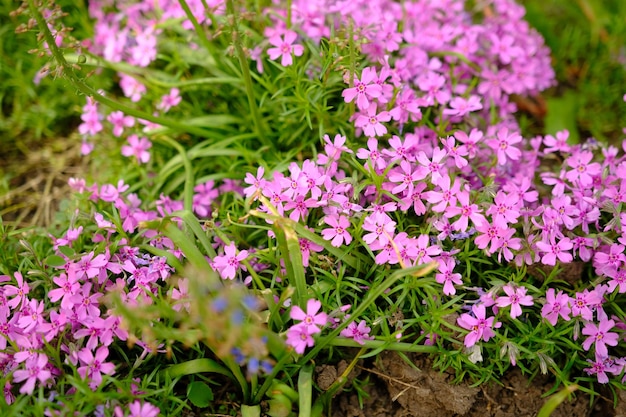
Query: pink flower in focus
[(338, 233), (284, 47), (364, 89), (479, 326), (447, 277), (93, 366), (311, 319), (359, 332), (515, 297), (371, 123), (600, 335), (299, 337), (555, 306), (503, 145), (35, 370)]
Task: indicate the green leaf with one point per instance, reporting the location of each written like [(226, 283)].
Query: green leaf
[(54, 260), (67, 251), (200, 394), (562, 115), (197, 366), (305, 390), (556, 400)]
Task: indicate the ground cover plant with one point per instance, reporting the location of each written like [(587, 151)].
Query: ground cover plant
[(305, 182)]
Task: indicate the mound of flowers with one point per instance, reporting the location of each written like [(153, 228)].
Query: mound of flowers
[(424, 222)]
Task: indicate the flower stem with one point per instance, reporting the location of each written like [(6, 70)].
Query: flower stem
[(245, 72)]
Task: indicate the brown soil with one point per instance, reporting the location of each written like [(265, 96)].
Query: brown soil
[(399, 390)]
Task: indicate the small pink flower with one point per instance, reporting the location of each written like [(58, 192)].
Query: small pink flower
[(479, 326), (515, 297), (228, 264), (364, 89), (284, 47), (299, 337), (359, 332), (35, 371), (555, 306), (311, 319), (600, 335), (338, 232), (137, 147)]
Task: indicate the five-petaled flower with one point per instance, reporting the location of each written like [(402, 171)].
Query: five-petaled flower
[(284, 46)]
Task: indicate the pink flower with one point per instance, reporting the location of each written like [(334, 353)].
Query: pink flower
[(600, 367), (600, 335), (299, 337), (93, 366), (171, 99), (364, 89), (359, 332), (119, 122), (461, 106), (137, 409), (311, 319), (35, 370), (338, 233), (479, 326), (381, 228), (447, 278), (284, 47), (555, 306), (18, 293), (583, 169), (371, 123), (515, 297), (503, 145), (137, 147), (553, 251), (228, 264)]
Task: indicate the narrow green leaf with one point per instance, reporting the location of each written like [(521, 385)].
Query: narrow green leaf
[(197, 366), (305, 390), (554, 401)]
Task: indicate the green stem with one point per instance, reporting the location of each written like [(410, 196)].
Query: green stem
[(245, 72), (189, 180), (89, 91), (203, 39)]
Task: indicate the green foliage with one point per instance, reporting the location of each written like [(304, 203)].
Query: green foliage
[(588, 43)]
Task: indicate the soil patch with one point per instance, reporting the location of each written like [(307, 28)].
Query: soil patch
[(397, 389)]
